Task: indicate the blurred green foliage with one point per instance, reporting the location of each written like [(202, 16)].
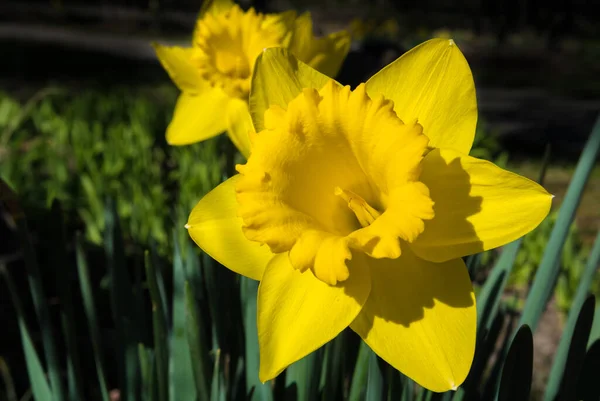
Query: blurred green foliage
[(82, 147), (572, 263)]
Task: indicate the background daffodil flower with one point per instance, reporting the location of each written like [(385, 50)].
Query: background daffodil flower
[(356, 206), (214, 74)]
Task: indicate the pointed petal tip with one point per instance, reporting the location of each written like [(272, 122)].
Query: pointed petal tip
[(187, 226), (265, 375), (427, 68), (171, 141)]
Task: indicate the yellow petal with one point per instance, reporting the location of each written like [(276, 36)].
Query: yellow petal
[(432, 83), (277, 79), (215, 227), (420, 317), (332, 50), (177, 62), (477, 206), (324, 54), (198, 117), (281, 20), (297, 313), (239, 125), (326, 254)]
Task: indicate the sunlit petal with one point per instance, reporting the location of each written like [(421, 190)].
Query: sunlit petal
[(216, 228), (278, 78), (177, 61), (239, 125), (420, 317), (432, 84), (325, 54), (477, 205), (198, 117), (297, 313)]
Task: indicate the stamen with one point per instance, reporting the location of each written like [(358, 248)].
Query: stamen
[(363, 211)]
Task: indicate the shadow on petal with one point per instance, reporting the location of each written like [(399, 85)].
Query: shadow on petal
[(403, 288), (420, 317), (478, 206), (449, 234)]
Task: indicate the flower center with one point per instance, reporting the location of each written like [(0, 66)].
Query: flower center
[(227, 45), (362, 210), (298, 192)]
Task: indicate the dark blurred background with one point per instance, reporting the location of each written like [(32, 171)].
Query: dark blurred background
[(535, 62)]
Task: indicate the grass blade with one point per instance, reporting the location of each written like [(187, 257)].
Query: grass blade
[(222, 292), (249, 291), (158, 269), (515, 383), (193, 270), (122, 302), (63, 275), (595, 332), (37, 377), (587, 387), (543, 284), (360, 375), (212, 292), (305, 376), (566, 388), (490, 391), (9, 386), (473, 262), (375, 379), (400, 387), (197, 344), (159, 327), (486, 343), (488, 299), (41, 309), (217, 388), (148, 373), (181, 375), (332, 370), (238, 382), (562, 352), (90, 312), (10, 200)]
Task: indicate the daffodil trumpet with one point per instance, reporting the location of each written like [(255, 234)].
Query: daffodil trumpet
[(214, 73), (355, 208)]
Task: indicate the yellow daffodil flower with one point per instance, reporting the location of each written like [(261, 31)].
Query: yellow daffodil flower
[(214, 74), (356, 206)]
